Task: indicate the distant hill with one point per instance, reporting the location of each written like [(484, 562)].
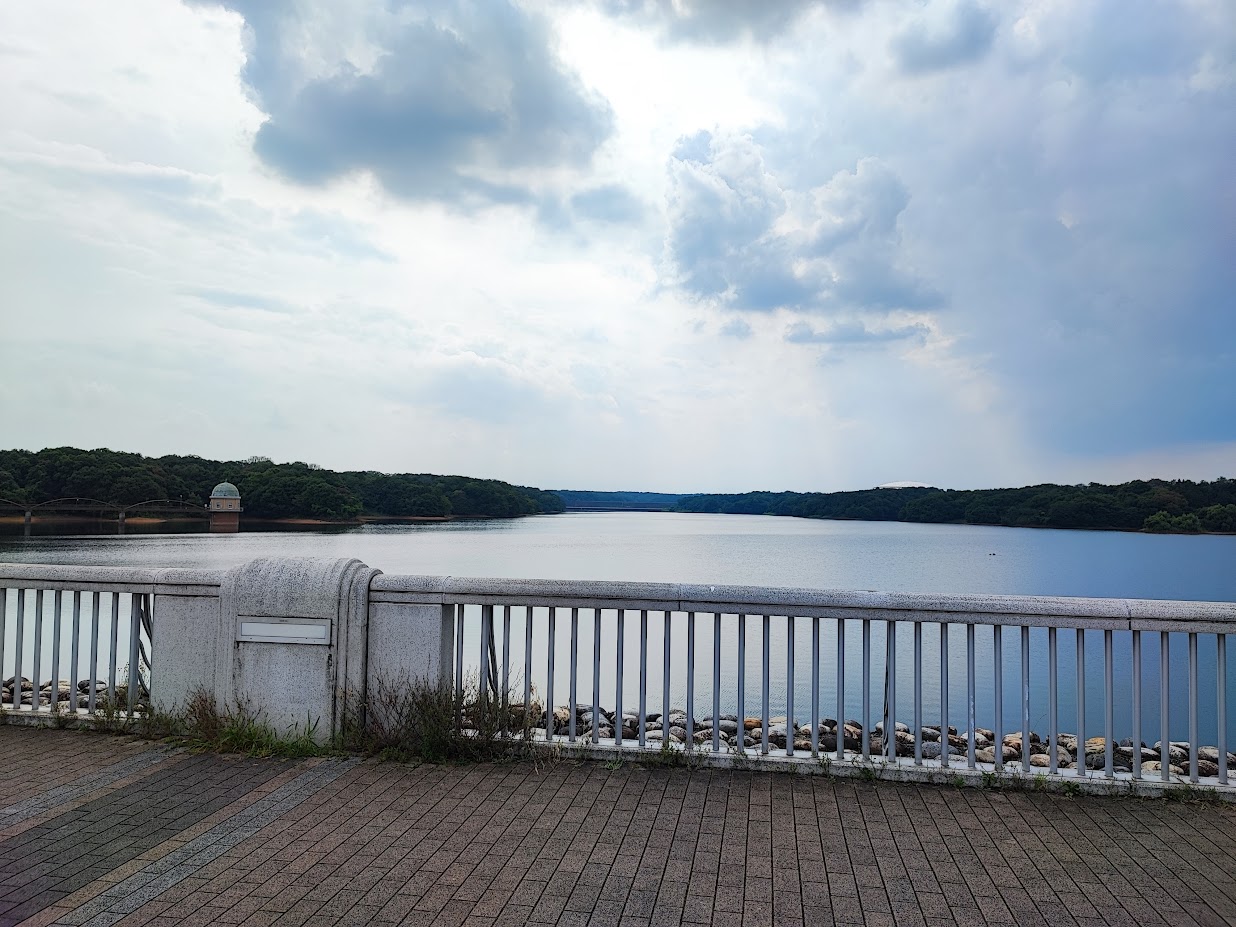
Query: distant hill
[(1159, 506), (581, 500), (267, 489)]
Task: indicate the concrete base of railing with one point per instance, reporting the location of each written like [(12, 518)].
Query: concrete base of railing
[(878, 769), (78, 719)]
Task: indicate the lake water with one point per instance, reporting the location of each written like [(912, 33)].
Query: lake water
[(668, 547)]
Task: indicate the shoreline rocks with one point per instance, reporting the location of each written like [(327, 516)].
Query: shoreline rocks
[(934, 742), (66, 695)]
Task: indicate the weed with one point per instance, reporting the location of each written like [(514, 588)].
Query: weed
[(60, 717), (990, 780), (434, 722), (614, 764), (1072, 789), (1188, 792), (107, 715), (239, 729)]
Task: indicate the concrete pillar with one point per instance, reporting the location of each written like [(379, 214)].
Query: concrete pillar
[(295, 641), (300, 643)]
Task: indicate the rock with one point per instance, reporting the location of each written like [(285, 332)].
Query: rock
[(751, 724), (654, 735), (933, 750), (988, 735), (728, 726), (1153, 766), (679, 734), (802, 743), (1040, 760), (1207, 768), (986, 755), (930, 734), (703, 737), (1096, 761)]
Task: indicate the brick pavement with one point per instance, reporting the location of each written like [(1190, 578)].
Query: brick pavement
[(100, 831)]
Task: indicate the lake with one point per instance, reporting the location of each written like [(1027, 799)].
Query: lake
[(773, 551)]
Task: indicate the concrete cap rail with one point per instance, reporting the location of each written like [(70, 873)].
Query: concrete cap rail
[(164, 581), (1032, 611)]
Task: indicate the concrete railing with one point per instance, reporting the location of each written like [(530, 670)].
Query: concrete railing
[(730, 673)]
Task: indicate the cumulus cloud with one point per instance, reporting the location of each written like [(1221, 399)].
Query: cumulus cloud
[(737, 328), (738, 239), (458, 101), (607, 203), (945, 36), (853, 332), (717, 21)]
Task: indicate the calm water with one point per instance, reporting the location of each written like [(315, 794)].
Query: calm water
[(758, 550)]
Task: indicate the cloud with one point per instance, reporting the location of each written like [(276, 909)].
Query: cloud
[(458, 102), (608, 203), (737, 328), (947, 36), (229, 299), (738, 239), (482, 390), (719, 21), (853, 332)]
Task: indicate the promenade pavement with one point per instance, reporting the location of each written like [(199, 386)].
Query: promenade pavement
[(104, 830)]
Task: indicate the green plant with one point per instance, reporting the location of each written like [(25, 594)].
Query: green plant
[(434, 722), (1072, 789), (60, 718), (990, 780), (107, 714), (240, 729)]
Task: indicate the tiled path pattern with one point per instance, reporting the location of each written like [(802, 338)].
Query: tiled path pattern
[(103, 831)]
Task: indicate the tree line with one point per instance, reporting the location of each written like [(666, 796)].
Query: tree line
[(267, 489), (1164, 506)]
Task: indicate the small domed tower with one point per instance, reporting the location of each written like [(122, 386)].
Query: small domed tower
[(225, 508)]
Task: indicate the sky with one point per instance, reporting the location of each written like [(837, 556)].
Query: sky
[(700, 245)]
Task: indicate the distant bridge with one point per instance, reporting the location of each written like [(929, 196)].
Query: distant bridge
[(96, 508)]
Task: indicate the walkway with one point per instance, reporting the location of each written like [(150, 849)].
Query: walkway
[(101, 830)]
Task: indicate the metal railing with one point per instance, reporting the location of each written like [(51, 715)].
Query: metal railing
[(78, 640), (621, 664), (96, 617)]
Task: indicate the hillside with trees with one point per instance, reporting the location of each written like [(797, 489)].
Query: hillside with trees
[(268, 489), (1161, 506)]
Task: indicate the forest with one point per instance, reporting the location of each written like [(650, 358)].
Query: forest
[(1161, 506), (267, 489)]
